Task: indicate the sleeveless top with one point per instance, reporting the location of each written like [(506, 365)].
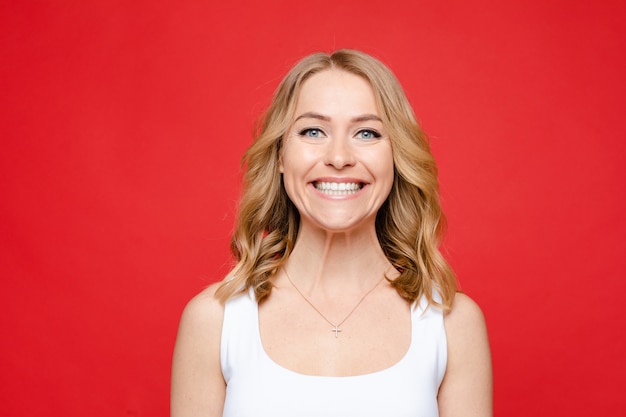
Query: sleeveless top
[(257, 386)]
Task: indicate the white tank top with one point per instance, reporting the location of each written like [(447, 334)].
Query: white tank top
[(259, 387)]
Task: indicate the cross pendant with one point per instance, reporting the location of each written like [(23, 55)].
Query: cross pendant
[(336, 330)]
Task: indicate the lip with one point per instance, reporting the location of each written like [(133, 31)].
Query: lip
[(340, 179)]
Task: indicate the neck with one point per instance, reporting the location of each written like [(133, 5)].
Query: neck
[(330, 261)]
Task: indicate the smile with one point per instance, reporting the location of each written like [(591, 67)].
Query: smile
[(338, 188)]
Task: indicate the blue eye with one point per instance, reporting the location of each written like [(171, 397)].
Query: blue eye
[(311, 133), (369, 134)]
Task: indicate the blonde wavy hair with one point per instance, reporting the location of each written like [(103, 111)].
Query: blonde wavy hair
[(409, 225)]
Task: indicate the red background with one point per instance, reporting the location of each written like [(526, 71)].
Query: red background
[(123, 122)]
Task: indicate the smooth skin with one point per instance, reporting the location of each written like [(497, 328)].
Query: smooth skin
[(336, 137), (198, 388)]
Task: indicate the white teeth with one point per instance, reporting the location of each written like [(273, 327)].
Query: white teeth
[(338, 188)]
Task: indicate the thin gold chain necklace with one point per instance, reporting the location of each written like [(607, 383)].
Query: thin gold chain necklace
[(335, 328)]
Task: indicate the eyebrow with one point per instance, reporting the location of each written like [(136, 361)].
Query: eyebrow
[(362, 118), (366, 118)]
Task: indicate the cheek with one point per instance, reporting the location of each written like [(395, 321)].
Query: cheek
[(381, 160), (296, 159), (291, 187), (292, 174)]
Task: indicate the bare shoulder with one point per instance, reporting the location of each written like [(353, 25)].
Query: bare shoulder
[(204, 308), (465, 316), (198, 387), (466, 389), (200, 328), (202, 318)]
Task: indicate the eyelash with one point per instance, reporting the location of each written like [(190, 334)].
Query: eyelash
[(308, 130), (375, 134)]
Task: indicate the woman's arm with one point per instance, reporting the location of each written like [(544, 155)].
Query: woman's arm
[(198, 387), (466, 390)]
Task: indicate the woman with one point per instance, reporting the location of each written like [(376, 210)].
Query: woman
[(340, 303)]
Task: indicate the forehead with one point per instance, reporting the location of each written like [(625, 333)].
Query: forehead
[(336, 91)]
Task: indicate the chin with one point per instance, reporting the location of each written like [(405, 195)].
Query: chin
[(339, 225)]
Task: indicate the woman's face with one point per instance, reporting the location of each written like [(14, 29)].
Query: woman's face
[(337, 162)]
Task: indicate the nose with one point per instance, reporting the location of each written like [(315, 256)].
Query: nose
[(339, 153)]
